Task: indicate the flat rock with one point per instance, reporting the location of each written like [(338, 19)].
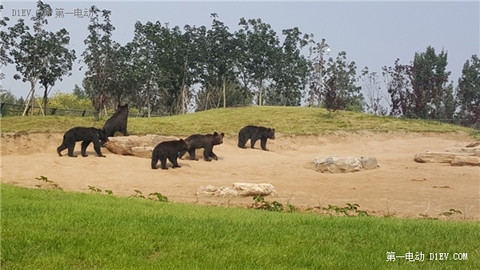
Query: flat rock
[(238, 189), (344, 164), (123, 145)]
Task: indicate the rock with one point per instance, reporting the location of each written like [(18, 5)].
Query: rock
[(123, 145), (343, 165), (458, 156), (435, 157), (143, 151), (238, 189), (466, 160)]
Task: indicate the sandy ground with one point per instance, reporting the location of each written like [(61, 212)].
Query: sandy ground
[(399, 187)]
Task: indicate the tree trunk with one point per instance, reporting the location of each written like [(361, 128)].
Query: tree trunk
[(30, 100), (260, 94), (224, 93)]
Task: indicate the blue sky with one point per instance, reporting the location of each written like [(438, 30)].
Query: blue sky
[(374, 34)]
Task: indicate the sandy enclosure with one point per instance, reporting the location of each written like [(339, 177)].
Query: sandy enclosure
[(399, 187)]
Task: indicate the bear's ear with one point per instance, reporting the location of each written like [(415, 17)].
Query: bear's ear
[(223, 134), (215, 134)]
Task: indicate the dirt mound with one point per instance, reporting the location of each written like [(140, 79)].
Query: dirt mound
[(399, 187)]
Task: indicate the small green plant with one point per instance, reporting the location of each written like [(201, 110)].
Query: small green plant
[(352, 209), (138, 194), (49, 183), (44, 179), (157, 196), (94, 189), (450, 212), (97, 190), (261, 203)]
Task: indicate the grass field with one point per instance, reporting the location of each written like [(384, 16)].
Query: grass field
[(52, 229), (285, 120)]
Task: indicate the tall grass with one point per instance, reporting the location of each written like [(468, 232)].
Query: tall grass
[(52, 229), (285, 120)]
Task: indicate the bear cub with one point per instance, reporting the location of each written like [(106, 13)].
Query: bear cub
[(85, 134), (254, 133), (170, 150), (206, 142), (118, 122)]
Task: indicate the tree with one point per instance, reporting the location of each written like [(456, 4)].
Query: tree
[(5, 39), (468, 92), (399, 87), (430, 92), (290, 71), (43, 56), (259, 52), (98, 56), (340, 91), (374, 97), (420, 90)]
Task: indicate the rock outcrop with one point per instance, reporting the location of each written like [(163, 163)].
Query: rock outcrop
[(344, 164), (238, 189), (459, 156)]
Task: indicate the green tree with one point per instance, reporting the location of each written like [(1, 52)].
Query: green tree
[(79, 92), (5, 39), (431, 97), (259, 47), (468, 92), (42, 56), (61, 100), (340, 91), (291, 70), (98, 57), (399, 88)]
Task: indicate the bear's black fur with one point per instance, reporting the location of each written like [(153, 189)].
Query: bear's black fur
[(85, 134), (206, 142), (118, 122), (254, 133), (170, 150)]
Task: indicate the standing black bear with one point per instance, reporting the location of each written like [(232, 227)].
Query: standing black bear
[(85, 134), (206, 142), (118, 122), (254, 133), (170, 150)]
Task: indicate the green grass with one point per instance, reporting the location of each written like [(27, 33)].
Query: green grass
[(285, 120), (52, 229)]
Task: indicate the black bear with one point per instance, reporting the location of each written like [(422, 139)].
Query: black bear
[(118, 122), (170, 150), (206, 142), (85, 134), (254, 133)]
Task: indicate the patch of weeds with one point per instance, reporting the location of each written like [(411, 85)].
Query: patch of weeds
[(138, 194), (450, 212), (155, 196), (94, 189), (49, 183), (351, 210), (261, 203), (97, 190)]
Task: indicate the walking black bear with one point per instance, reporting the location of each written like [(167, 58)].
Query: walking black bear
[(206, 142), (85, 134), (170, 150), (254, 133)]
